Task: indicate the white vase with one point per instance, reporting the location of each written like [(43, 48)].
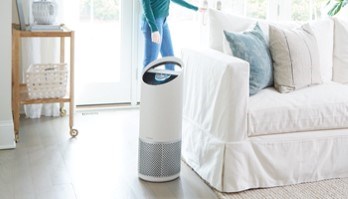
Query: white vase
[(44, 12)]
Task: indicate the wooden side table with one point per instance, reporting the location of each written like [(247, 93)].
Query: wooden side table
[(19, 90)]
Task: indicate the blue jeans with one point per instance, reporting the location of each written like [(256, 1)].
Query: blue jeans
[(152, 49)]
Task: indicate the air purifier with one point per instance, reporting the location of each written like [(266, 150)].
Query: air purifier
[(160, 121)]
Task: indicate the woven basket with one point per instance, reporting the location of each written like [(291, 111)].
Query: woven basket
[(47, 80)]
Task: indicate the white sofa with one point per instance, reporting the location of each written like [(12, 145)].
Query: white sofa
[(236, 142)]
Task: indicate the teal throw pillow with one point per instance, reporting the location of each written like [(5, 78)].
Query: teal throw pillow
[(251, 46)]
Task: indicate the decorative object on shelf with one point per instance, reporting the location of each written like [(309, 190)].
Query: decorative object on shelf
[(47, 80), (44, 12)]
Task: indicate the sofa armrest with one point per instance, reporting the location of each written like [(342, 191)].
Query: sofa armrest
[(216, 93)]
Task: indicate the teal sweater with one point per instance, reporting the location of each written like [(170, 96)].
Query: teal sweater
[(154, 9)]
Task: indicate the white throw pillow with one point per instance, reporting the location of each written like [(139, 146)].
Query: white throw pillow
[(340, 55), (295, 58), (220, 21), (323, 30)]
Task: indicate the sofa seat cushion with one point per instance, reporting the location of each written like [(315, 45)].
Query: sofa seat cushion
[(314, 108)]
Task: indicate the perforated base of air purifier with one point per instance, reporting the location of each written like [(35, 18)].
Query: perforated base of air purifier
[(159, 160)]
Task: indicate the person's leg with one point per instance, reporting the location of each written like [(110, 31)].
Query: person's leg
[(167, 46), (152, 49)]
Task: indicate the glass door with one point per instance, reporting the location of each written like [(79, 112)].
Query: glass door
[(103, 52), (184, 25)]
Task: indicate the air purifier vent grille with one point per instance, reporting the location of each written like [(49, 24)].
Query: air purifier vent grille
[(159, 159)]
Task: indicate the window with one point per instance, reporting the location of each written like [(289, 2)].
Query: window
[(303, 10), (250, 8), (184, 25), (102, 10), (187, 28), (233, 6), (257, 8), (319, 10), (298, 10), (103, 51)]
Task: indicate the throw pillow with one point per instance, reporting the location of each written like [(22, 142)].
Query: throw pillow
[(295, 58), (323, 30), (340, 55), (252, 47)]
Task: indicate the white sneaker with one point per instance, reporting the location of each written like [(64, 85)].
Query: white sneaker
[(161, 77)]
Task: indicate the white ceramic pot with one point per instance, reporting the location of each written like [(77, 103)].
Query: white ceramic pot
[(44, 12)]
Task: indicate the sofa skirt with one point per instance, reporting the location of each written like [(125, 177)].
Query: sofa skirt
[(265, 161)]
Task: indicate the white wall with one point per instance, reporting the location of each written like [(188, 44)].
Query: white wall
[(6, 122)]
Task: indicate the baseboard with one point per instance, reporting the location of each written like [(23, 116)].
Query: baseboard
[(7, 139)]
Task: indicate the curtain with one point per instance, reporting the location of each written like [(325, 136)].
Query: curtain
[(39, 50)]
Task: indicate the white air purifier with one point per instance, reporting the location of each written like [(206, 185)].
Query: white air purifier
[(160, 121)]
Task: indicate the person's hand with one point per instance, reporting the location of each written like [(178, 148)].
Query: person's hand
[(202, 9), (156, 37)]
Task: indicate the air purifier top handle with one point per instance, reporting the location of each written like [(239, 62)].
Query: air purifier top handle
[(162, 71), (151, 67)]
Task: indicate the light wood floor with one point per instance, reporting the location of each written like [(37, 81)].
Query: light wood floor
[(101, 163)]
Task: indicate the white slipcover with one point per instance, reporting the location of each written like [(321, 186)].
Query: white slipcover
[(215, 141), (314, 108)]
